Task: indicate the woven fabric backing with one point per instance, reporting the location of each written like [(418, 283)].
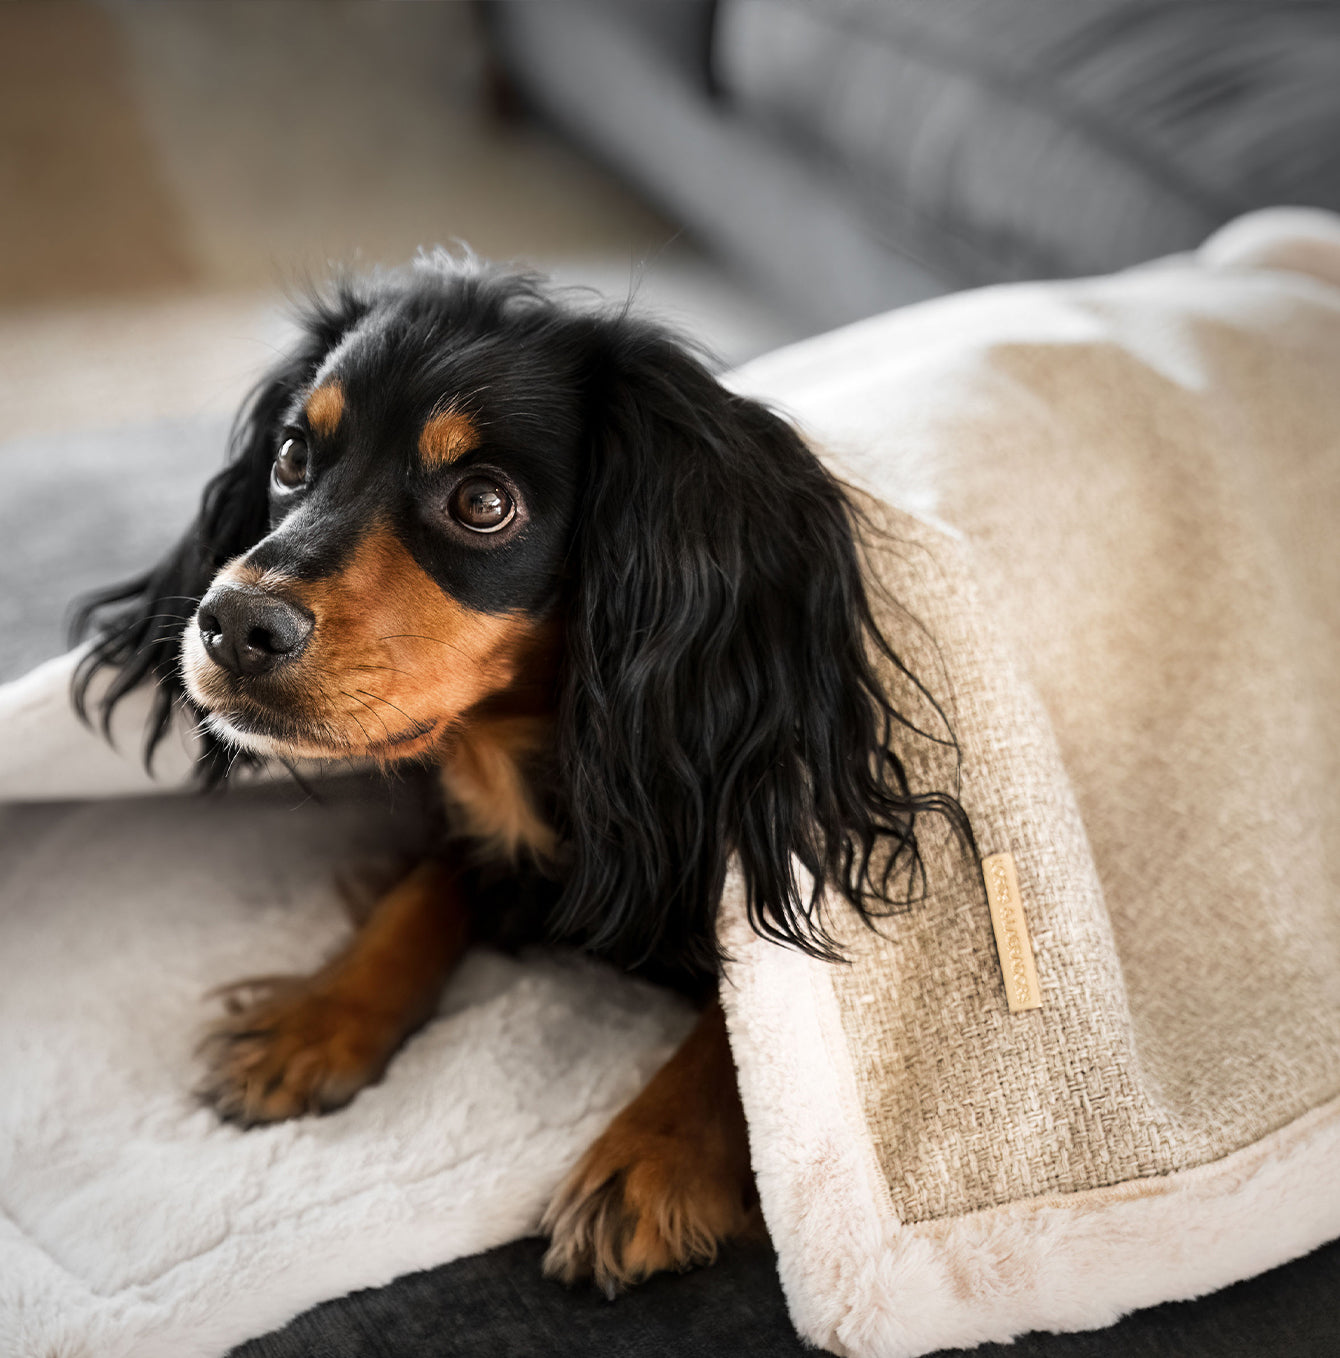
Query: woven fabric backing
[(1126, 609)]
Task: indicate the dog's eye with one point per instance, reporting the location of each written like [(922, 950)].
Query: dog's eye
[(482, 505), (290, 469)]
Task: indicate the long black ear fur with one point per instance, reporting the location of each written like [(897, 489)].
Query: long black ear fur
[(719, 693), (137, 625)]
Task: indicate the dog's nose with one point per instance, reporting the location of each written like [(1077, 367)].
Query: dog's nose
[(248, 632)]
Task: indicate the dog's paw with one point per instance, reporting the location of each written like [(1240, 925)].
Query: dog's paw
[(642, 1201), (290, 1046)]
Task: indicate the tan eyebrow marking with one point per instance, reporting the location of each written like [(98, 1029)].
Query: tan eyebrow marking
[(325, 408), (446, 437)]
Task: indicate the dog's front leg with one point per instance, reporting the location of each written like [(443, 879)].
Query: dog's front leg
[(667, 1181), (309, 1044)]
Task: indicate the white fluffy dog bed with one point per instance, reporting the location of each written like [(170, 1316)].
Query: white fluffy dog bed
[(1115, 507)]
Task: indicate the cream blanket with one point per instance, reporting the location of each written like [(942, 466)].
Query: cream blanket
[(1127, 553), (1116, 564)]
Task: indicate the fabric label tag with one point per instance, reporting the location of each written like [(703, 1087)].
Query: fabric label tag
[(1012, 943)]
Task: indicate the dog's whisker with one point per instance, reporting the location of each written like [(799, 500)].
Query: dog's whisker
[(376, 697), (155, 641), (451, 645), (293, 773), (367, 739), (390, 669), (371, 709)]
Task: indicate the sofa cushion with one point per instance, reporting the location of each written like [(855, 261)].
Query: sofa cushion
[(999, 139)]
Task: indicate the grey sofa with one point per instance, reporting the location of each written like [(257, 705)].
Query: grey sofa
[(854, 155)]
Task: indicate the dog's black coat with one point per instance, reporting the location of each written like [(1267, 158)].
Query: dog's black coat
[(716, 691)]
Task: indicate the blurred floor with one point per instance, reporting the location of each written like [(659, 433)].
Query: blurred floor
[(169, 170)]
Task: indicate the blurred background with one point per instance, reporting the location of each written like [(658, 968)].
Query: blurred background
[(752, 170), (170, 172)]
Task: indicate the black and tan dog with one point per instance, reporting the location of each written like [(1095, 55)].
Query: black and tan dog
[(471, 524)]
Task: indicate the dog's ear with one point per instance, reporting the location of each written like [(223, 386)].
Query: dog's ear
[(719, 694), (137, 625)]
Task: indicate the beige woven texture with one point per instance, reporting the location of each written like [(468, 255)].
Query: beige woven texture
[(1130, 620)]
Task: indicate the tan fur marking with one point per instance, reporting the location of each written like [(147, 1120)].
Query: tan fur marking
[(669, 1179), (446, 437), (482, 776), (393, 651), (392, 665), (309, 1044), (325, 408)]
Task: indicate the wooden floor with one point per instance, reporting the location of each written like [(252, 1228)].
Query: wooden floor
[(170, 170), (147, 149)]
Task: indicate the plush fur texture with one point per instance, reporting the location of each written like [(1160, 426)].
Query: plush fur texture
[(859, 1282), (137, 1225)]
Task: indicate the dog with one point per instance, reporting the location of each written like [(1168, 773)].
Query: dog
[(534, 545)]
